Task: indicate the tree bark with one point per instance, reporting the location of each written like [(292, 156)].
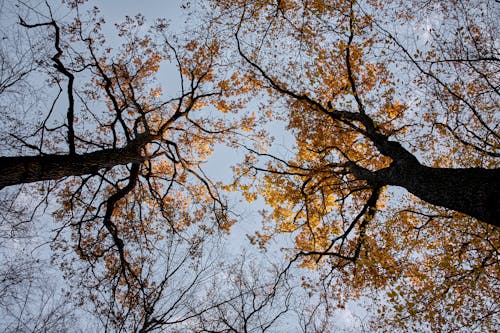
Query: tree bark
[(27, 169), (473, 191)]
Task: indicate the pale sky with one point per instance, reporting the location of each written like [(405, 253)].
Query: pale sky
[(219, 164)]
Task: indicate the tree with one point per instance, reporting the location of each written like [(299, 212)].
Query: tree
[(378, 95), (117, 161), (248, 299), (390, 188), (29, 301)]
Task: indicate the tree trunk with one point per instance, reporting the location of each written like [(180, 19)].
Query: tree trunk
[(28, 169), (473, 191)]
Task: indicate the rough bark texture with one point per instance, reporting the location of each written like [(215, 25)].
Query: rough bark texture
[(28, 169), (473, 191)]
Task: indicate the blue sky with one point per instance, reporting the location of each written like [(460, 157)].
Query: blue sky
[(218, 166)]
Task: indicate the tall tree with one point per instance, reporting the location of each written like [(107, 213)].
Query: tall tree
[(117, 160), (394, 182)]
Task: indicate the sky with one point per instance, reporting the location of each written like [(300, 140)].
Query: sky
[(218, 166), (219, 163)]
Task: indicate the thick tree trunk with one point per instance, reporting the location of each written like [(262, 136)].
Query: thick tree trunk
[(28, 169), (473, 191)]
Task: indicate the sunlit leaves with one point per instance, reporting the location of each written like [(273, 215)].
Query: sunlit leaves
[(125, 228), (347, 77)]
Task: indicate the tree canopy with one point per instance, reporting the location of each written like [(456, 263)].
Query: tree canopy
[(118, 160), (389, 185), (392, 183)]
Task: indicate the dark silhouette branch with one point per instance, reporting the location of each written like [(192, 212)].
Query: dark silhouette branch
[(473, 191), (16, 170)]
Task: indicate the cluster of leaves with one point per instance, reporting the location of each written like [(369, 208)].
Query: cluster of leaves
[(373, 96), (124, 159), (374, 99)]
